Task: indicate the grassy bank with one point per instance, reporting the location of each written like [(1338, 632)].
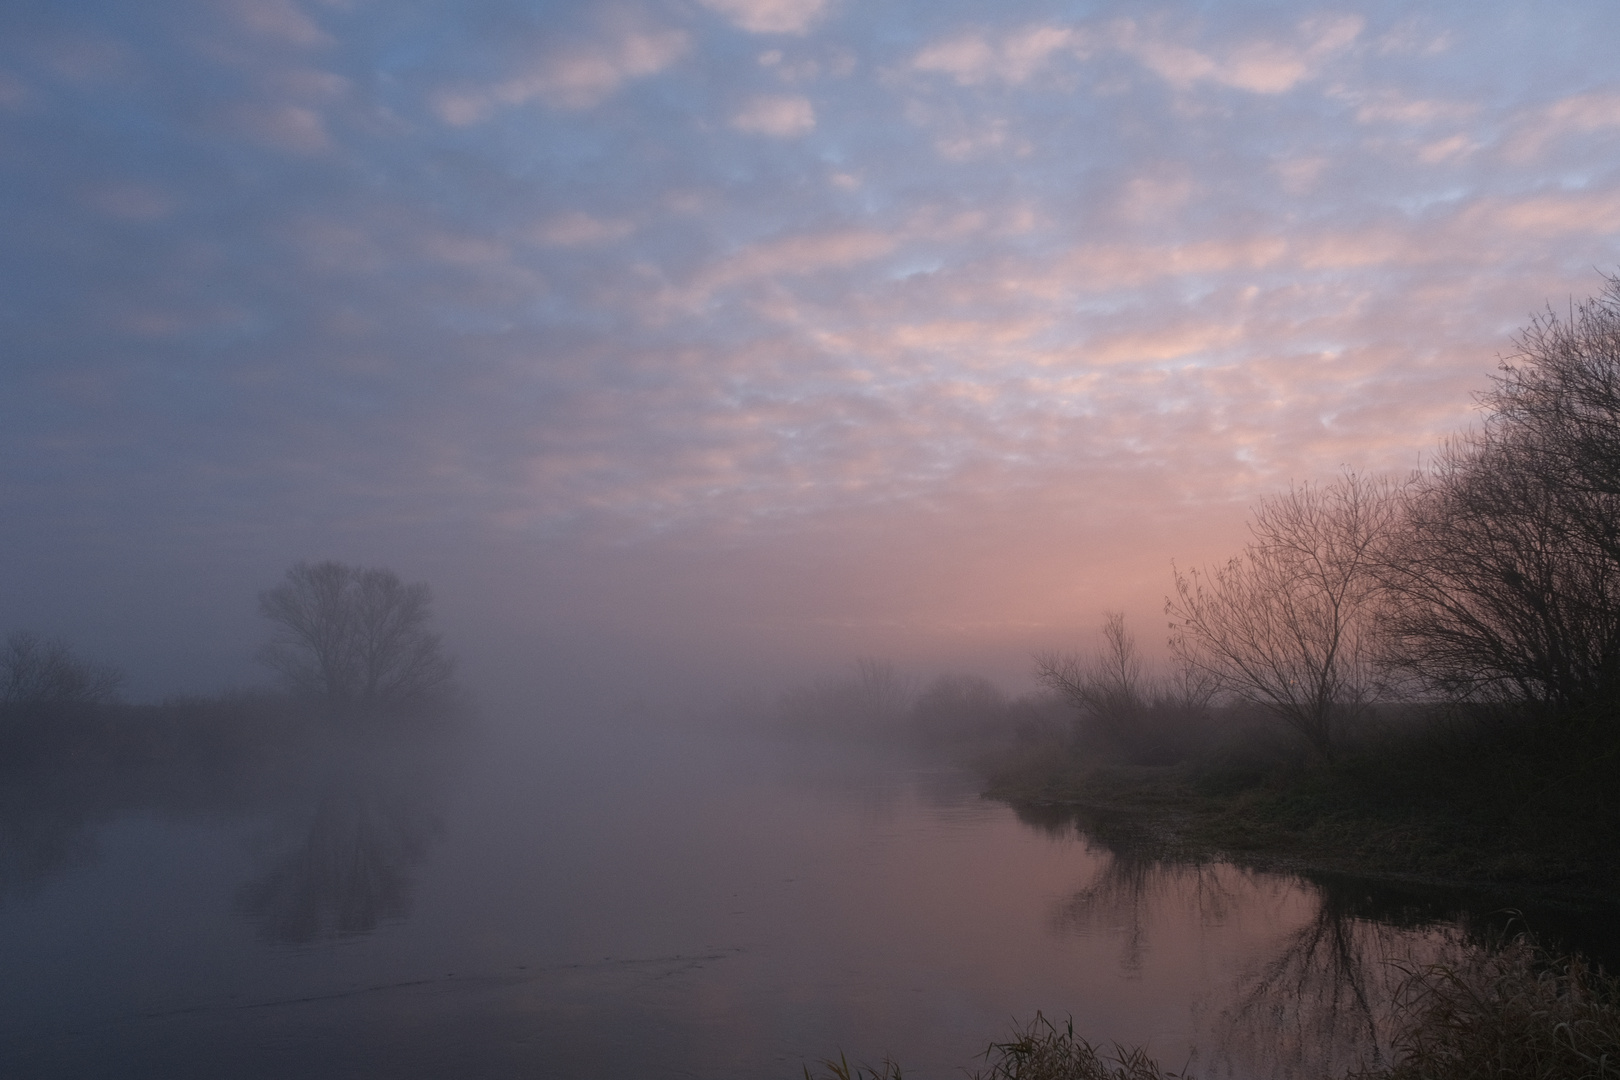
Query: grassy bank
[(1487, 799)]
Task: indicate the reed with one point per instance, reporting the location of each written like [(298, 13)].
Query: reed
[(1038, 1051), (843, 1070), (1043, 1051), (1515, 1013)]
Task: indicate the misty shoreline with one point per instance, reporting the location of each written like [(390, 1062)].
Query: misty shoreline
[(1505, 813)]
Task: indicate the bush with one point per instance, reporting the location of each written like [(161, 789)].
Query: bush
[(42, 671)]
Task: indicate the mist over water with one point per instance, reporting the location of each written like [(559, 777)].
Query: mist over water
[(567, 892), (657, 353)]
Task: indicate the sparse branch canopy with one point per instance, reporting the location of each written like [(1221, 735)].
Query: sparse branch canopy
[(1114, 692), (1557, 403), (353, 634), (1507, 575), (1290, 624), (1111, 689), (36, 670)]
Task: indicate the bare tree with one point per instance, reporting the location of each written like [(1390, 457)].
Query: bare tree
[(879, 691), (350, 633), (36, 670), (1557, 402), (874, 697), (1494, 595), (1111, 688), (1290, 624), (1139, 711), (1507, 575), (958, 705)]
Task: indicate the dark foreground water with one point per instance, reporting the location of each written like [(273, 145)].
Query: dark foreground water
[(535, 899)]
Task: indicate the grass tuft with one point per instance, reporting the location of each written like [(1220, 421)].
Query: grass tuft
[(1038, 1051), (1043, 1051), (843, 1070), (1516, 1013)]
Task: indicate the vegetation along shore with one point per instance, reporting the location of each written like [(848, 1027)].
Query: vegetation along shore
[(1414, 677), (1410, 679)]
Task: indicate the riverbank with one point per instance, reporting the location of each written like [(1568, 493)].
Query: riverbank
[(1515, 1011), (1494, 803)]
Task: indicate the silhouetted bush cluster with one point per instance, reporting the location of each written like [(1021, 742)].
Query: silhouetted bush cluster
[(38, 671), (1124, 712)]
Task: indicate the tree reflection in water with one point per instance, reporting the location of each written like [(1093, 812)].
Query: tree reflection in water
[(1322, 1000), (353, 796), (1131, 891), (351, 870), (1325, 1003)]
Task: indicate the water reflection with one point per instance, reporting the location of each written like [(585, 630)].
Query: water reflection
[(1325, 1003), (1322, 1000), (343, 806), (1131, 890), (351, 868), (636, 902), (1321, 1004)]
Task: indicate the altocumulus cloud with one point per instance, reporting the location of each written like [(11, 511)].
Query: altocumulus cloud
[(771, 16), (755, 295), (778, 115)]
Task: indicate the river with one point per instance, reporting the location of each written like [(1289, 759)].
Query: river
[(537, 897)]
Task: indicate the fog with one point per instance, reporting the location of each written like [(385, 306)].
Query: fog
[(701, 359), (679, 616), (562, 892)]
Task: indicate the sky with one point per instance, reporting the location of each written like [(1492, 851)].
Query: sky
[(747, 336)]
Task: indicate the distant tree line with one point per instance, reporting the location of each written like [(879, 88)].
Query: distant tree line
[(874, 700), (345, 634), (1492, 575)]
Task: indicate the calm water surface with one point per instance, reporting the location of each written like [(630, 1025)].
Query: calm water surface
[(511, 901)]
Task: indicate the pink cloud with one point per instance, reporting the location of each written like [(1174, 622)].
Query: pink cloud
[(783, 117), (1581, 114), (288, 127), (579, 229), (1261, 66), (771, 16), (977, 57), (131, 202), (577, 77), (281, 20)]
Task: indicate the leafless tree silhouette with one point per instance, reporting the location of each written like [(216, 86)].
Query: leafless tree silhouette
[(1138, 711), (874, 698), (353, 634), (1291, 624), (1507, 574)]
